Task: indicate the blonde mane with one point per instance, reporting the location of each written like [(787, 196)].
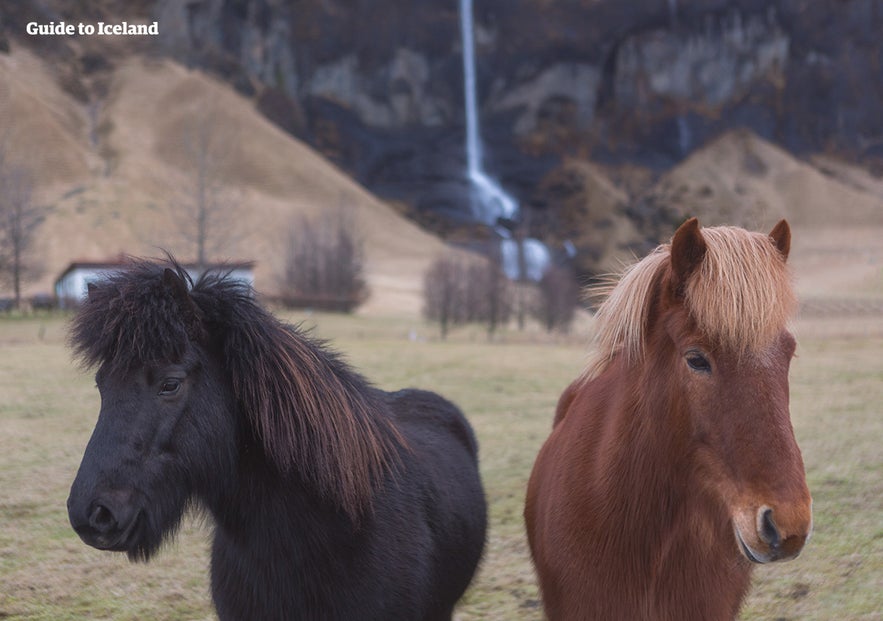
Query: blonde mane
[(740, 297)]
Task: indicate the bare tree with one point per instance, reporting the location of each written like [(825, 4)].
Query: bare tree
[(324, 265), (441, 293), (206, 204), (20, 218), (557, 299), (496, 293), (457, 291), (471, 277)]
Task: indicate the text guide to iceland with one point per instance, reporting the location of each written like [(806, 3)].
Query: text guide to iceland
[(98, 28)]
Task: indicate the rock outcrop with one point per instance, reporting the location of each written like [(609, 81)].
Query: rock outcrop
[(376, 86)]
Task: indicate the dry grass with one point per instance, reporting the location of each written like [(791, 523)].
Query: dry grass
[(508, 389)]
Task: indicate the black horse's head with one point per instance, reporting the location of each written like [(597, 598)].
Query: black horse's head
[(165, 426)]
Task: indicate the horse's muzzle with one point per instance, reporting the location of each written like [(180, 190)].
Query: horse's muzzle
[(106, 522), (762, 540)]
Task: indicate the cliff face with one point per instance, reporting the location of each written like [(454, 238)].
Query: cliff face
[(376, 85)]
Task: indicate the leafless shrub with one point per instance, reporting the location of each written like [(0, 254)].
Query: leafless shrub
[(557, 299), (441, 293), (20, 217), (458, 291), (206, 208), (495, 293), (324, 268)]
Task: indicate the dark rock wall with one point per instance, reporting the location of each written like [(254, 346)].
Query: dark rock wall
[(376, 85)]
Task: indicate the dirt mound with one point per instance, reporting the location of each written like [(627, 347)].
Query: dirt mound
[(589, 212), (835, 209), (741, 179)]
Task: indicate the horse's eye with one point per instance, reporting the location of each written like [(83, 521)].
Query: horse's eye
[(170, 386), (698, 362)]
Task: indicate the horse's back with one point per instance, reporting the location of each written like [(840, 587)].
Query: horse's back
[(441, 451), (430, 418), (565, 401), (414, 553)]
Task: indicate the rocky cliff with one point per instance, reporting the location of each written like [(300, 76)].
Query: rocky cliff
[(639, 79), (376, 85)]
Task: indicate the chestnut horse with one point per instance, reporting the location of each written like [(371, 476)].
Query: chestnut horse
[(672, 464)]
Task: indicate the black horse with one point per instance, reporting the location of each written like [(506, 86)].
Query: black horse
[(331, 499)]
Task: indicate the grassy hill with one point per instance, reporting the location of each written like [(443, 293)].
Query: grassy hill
[(739, 178), (116, 171), (835, 208), (115, 163)]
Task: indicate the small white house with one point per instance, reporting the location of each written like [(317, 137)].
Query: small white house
[(72, 285)]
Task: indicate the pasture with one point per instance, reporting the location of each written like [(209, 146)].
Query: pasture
[(508, 390)]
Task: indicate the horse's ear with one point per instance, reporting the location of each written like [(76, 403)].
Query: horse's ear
[(175, 284), (781, 236), (687, 251), (189, 310)]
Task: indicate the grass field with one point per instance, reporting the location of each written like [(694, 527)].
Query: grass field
[(508, 389)]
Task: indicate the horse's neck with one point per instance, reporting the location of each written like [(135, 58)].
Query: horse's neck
[(652, 497), (631, 471), (275, 544), (642, 452), (264, 507)]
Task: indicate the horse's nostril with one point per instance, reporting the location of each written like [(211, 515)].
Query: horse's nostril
[(102, 519), (767, 529)]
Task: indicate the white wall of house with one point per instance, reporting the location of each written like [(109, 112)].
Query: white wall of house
[(72, 287)]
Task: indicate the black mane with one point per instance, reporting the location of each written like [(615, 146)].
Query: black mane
[(132, 318), (312, 413)]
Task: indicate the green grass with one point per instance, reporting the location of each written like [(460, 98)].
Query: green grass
[(508, 389)]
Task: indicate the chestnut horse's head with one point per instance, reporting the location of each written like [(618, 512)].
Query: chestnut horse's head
[(711, 326)]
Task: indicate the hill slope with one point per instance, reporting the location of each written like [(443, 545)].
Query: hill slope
[(116, 170), (739, 178), (116, 173), (835, 209)]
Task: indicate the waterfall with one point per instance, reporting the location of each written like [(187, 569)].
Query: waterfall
[(528, 258), (490, 202), (685, 137), (673, 12), (535, 257)]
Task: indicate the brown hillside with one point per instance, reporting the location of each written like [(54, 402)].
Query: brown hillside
[(835, 209), (588, 210), (116, 172), (741, 179), (41, 126), (737, 179), (120, 192)]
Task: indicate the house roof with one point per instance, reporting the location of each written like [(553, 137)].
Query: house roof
[(121, 262)]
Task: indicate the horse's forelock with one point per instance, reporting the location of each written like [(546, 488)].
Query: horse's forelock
[(622, 316), (131, 319), (740, 297)]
